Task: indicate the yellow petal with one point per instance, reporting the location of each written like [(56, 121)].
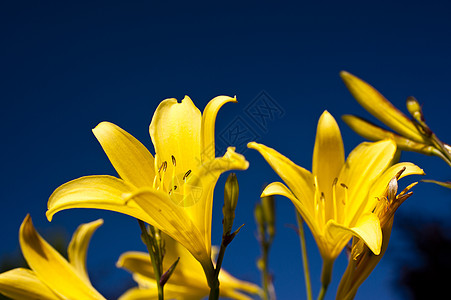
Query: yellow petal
[(78, 247), (208, 126), (376, 104), (380, 185), (368, 229), (173, 220), (278, 188), (230, 285), (175, 131), (50, 267), (298, 179), (328, 156), (363, 166), (22, 284), (200, 187), (376, 133), (101, 192), (132, 161)]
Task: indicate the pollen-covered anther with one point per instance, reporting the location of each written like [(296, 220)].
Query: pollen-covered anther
[(174, 162), (186, 174), (345, 199)]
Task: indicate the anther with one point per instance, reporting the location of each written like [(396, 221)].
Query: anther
[(173, 160), (175, 187), (186, 174), (346, 193), (165, 166)]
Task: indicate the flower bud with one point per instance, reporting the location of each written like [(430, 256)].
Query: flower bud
[(269, 214), (231, 191)]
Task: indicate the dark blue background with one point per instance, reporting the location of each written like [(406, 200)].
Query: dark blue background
[(66, 66)]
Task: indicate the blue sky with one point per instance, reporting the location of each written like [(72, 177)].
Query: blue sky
[(65, 67)]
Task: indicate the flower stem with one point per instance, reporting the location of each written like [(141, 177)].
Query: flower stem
[(326, 275), (308, 286), (155, 256)]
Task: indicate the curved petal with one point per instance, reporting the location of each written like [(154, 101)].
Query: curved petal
[(278, 188), (200, 185), (299, 180), (368, 229), (380, 185), (100, 192), (50, 267), (363, 166), (78, 247), (374, 133), (376, 104), (174, 221), (328, 156), (131, 159), (208, 126), (175, 131), (22, 284)]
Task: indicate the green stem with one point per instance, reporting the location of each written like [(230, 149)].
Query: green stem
[(308, 286), (156, 263), (326, 275)]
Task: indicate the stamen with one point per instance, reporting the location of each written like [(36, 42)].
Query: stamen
[(334, 197), (175, 187), (186, 174), (323, 203), (345, 199), (173, 160), (165, 166)]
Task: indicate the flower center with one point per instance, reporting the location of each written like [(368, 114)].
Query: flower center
[(179, 186), (323, 210)]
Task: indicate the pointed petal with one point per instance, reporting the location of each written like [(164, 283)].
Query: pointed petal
[(278, 188), (298, 179), (328, 156), (173, 220), (368, 229), (50, 267), (363, 166), (208, 126), (375, 133), (376, 104), (100, 192), (380, 185), (175, 130), (131, 159), (78, 247), (22, 284)]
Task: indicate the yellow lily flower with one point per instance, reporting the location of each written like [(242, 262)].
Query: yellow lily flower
[(411, 134), (174, 190), (187, 281), (337, 198), (51, 276), (362, 262)]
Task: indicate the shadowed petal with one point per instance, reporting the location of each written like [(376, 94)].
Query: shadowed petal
[(78, 247), (50, 267), (376, 104), (173, 220), (101, 192), (132, 161), (22, 284)]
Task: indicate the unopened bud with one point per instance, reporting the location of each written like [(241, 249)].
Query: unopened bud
[(260, 219), (414, 109), (165, 277), (231, 191), (269, 214)]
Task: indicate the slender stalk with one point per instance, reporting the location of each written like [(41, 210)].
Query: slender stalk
[(156, 263), (326, 275), (308, 286)]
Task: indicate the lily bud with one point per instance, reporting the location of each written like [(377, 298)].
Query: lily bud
[(231, 191), (269, 214), (414, 109), (260, 219)]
